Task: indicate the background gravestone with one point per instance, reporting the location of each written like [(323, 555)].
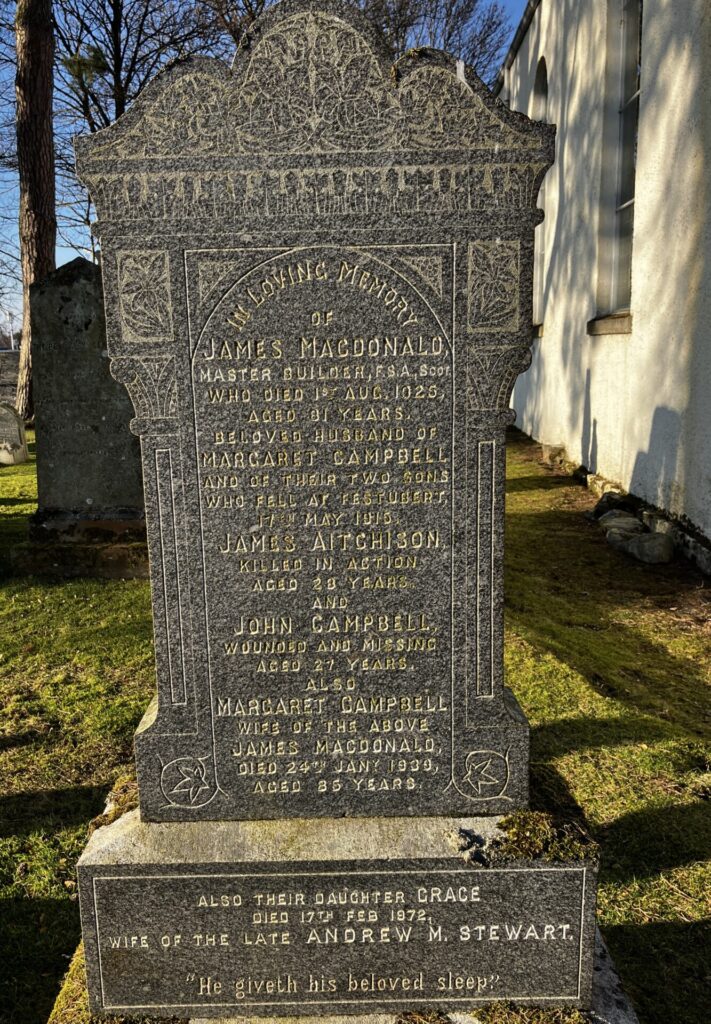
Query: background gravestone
[(9, 365), (88, 462), (317, 272), (13, 446)]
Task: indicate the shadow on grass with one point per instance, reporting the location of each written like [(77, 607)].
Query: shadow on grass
[(50, 809), (38, 938), (11, 741), (659, 966), (7, 502), (567, 592), (566, 735), (550, 792), (518, 484), (646, 843)]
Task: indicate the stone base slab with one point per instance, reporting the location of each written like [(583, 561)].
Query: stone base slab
[(328, 916)]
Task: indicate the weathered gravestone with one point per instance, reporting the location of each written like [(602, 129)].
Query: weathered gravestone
[(13, 445), (9, 365), (317, 272), (88, 462)]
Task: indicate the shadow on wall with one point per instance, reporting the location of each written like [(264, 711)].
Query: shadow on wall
[(559, 399), (569, 247), (588, 441), (655, 471)]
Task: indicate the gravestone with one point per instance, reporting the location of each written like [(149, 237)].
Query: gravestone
[(9, 367), (88, 461), (13, 445), (317, 271)]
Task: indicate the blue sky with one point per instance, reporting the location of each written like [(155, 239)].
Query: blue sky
[(515, 9)]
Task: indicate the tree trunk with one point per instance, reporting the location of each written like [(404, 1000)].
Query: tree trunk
[(35, 159)]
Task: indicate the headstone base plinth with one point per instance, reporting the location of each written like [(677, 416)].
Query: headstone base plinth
[(328, 917)]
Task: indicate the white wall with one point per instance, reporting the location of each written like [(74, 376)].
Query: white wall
[(635, 408)]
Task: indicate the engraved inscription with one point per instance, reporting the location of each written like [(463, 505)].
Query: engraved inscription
[(344, 938), (324, 462)]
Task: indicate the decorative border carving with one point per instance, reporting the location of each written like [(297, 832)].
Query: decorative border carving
[(491, 375), (145, 303), (152, 388), (255, 196), (311, 83), (173, 606), (493, 287), (428, 269)]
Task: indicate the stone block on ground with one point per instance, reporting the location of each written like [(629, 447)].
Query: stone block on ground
[(317, 276), (617, 501), (9, 367), (553, 455), (621, 522), (652, 548), (320, 348)]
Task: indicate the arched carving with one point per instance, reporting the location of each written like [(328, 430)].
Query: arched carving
[(491, 375), (309, 82)]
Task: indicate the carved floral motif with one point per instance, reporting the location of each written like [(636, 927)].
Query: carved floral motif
[(441, 111), (494, 287), (188, 782), (312, 84), (151, 385), (487, 773), (144, 297)]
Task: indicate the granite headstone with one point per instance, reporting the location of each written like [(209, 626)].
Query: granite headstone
[(317, 271), (88, 461), (13, 444)]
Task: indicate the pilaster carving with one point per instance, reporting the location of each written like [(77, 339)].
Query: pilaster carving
[(151, 385)]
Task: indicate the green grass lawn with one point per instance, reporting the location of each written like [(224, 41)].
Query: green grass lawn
[(608, 658)]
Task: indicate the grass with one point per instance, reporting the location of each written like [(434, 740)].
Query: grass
[(18, 500), (608, 658), (76, 671)]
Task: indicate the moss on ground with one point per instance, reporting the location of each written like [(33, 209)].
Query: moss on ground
[(122, 799), (609, 659), (72, 1005), (505, 1013), (536, 835)]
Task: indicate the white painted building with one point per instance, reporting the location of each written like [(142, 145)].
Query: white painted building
[(621, 372)]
